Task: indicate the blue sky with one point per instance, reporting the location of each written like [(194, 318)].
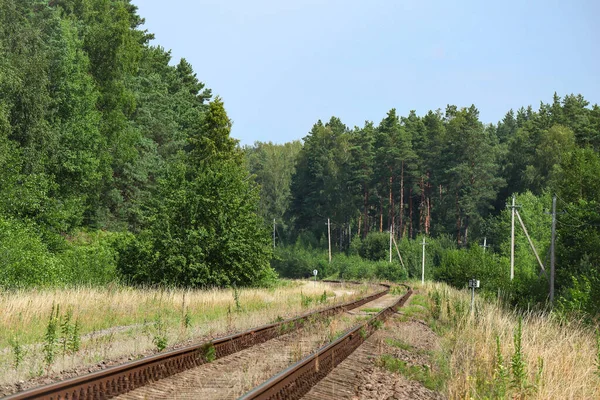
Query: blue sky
[(281, 65)]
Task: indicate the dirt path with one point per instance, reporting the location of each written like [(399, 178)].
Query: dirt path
[(360, 376)]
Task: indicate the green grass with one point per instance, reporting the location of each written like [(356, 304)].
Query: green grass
[(421, 373), (420, 300), (400, 344)]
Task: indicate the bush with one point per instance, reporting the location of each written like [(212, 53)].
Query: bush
[(24, 259), (91, 258), (375, 246), (298, 262)]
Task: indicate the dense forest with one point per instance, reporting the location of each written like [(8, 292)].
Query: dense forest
[(448, 176), (117, 165)]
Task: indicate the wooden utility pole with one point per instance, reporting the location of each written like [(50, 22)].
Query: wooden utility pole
[(552, 249), (398, 251), (530, 241), (329, 237), (512, 240), (391, 233)]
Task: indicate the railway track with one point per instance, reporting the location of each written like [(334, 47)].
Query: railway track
[(297, 380), (232, 376), (125, 378)]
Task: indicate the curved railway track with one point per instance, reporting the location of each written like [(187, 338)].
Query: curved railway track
[(232, 376), (122, 379)]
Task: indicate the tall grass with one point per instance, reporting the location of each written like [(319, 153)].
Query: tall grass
[(500, 353), (96, 324)]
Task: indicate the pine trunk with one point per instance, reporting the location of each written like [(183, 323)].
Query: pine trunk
[(380, 215), (410, 214), (402, 201), (366, 212), (458, 222)]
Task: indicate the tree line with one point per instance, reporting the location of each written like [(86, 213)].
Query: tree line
[(447, 174)]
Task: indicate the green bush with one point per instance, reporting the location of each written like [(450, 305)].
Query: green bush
[(298, 262), (24, 259), (91, 258), (375, 246)]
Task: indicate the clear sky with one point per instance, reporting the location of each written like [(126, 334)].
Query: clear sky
[(281, 65)]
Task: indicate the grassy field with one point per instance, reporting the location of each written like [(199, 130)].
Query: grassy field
[(49, 331), (495, 352)]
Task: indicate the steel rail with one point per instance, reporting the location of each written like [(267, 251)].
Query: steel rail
[(121, 379), (297, 380)]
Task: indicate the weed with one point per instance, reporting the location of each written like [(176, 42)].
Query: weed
[(18, 352), (74, 341), (399, 344), (51, 336), (306, 301), (377, 324), (397, 290), (517, 361), (160, 333), (187, 319), (363, 333), (421, 373), (540, 372), (66, 329), (323, 298), (436, 309), (500, 374), (236, 298), (209, 353)]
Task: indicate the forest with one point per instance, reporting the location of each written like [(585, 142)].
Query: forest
[(118, 166), (449, 177)]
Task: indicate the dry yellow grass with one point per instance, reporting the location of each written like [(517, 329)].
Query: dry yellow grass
[(121, 322), (567, 349)]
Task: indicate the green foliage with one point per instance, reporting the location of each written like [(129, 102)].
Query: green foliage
[(204, 231), (273, 166), (18, 352), (500, 373), (210, 353), (436, 308), (421, 373), (25, 259), (160, 339), (517, 361), (51, 336), (236, 298), (375, 246)]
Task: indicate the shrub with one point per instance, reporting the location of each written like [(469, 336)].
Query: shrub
[(375, 246), (24, 259)]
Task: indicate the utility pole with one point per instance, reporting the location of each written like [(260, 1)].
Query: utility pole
[(273, 233), (391, 234), (485, 246), (512, 240), (552, 249), (423, 263), (329, 237)]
